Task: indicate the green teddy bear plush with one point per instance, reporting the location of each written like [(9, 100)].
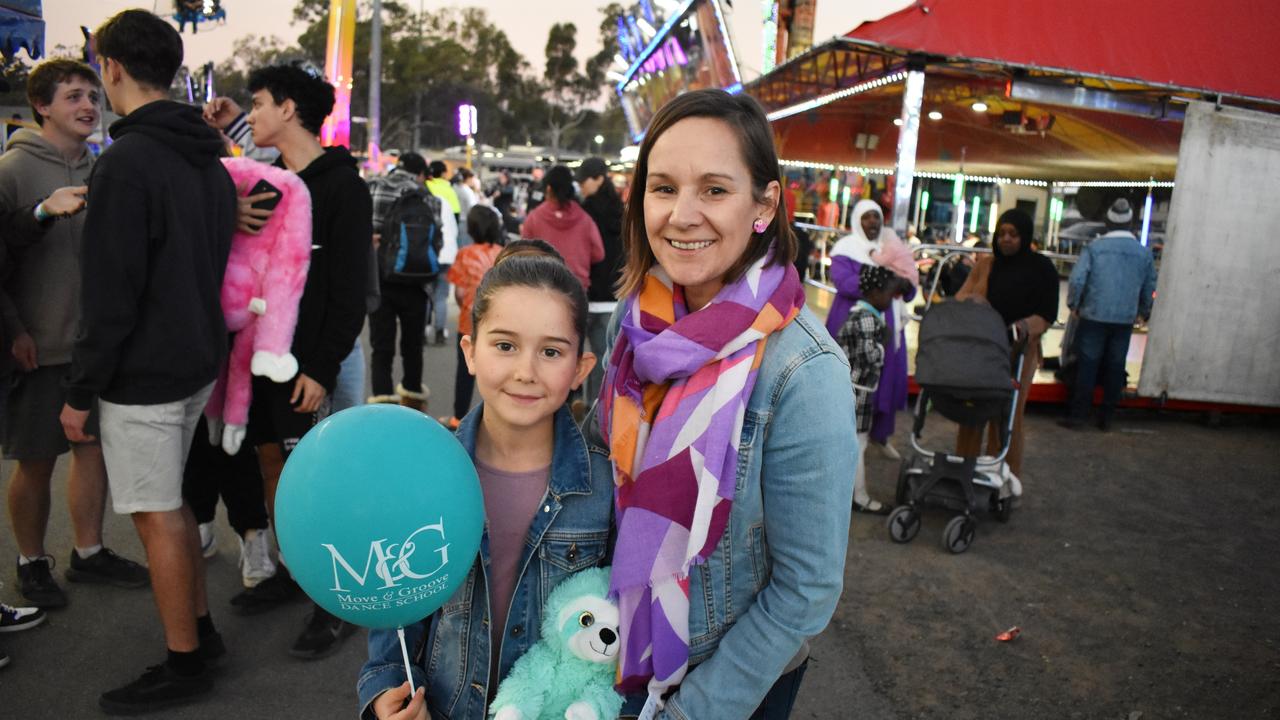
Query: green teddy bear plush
[(568, 674)]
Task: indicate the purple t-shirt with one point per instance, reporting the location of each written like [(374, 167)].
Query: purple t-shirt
[(511, 499)]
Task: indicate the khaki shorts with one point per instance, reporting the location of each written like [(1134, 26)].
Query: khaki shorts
[(145, 448)]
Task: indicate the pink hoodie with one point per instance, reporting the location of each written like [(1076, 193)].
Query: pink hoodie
[(571, 231)]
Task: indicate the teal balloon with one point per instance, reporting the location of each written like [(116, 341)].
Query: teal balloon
[(379, 515)]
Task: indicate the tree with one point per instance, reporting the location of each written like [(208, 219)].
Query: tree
[(598, 64), (248, 53), (612, 123), (15, 70), (433, 61), (568, 91)]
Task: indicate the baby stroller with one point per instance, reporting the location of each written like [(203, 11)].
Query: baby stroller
[(963, 369)]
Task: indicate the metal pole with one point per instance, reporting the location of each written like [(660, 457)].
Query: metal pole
[(417, 120), (375, 83), (908, 137), (958, 199), (919, 213)]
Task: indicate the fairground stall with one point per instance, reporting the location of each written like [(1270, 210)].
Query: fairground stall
[(21, 27), (667, 48), (950, 111)]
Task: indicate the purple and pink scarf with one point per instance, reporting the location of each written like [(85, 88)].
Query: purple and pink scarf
[(671, 413)]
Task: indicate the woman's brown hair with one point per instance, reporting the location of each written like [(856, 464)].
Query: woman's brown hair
[(755, 140)]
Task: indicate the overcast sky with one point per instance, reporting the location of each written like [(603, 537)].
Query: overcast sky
[(525, 22)]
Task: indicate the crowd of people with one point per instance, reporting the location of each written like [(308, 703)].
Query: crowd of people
[(641, 368)]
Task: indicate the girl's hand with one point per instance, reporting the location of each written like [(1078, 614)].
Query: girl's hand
[(387, 706)]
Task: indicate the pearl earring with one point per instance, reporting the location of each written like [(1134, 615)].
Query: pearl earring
[(759, 225)]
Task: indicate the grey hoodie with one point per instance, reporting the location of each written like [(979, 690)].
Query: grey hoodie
[(42, 287)]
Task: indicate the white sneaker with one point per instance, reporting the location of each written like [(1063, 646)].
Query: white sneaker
[(887, 450), (208, 541), (256, 564)]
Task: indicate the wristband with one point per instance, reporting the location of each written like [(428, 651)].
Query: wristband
[(42, 214)]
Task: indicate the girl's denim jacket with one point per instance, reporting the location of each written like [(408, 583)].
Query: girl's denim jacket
[(775, 578), (450, 650)]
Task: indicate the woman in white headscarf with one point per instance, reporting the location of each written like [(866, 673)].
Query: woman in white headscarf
[(873, 243)]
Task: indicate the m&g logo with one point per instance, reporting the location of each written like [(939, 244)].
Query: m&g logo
[(395, 562)]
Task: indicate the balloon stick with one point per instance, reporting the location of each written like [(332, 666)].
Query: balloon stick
[(404, 652)]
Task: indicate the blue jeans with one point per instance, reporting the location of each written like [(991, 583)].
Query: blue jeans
[(779, 701), (348, 391), (597, 328), (440, 299), (782, 696), (1100, 348)]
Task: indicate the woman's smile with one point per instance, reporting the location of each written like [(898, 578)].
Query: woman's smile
[(690, 245)]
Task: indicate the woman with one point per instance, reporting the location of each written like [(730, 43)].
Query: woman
[(1022, 285), (726, 409), (561, 221), (854, 250), (601, 201)]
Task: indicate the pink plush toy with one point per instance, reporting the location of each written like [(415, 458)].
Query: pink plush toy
[(260, 293)]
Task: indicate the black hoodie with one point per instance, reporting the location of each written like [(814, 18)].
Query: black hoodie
[(161, 212), (606, 211), (331, 311), (1025, 283)]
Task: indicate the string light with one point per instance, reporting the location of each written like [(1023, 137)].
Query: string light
[(864, 170), (1112, 184), (835, 168), (839, 95)]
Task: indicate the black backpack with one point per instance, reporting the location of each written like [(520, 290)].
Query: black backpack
[(411, 238)]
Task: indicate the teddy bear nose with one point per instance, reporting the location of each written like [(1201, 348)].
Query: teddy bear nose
[(608, 636)]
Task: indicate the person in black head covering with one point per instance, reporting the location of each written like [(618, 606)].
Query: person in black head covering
[(1022, 285)]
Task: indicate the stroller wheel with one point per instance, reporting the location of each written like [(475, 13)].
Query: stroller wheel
[(1004, 509), (958, 535), (901, 496), (903, 524)]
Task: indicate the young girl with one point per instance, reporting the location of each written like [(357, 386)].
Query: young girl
[(548, 498), (863, 339), (484, 227)]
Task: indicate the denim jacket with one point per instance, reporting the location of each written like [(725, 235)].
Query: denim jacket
[(450, 650), (775, 578), (1114, 280)]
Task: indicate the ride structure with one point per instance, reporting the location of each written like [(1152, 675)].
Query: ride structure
[(1039, 101), (339, 59)]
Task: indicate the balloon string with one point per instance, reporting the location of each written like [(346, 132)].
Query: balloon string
[(404, 652)]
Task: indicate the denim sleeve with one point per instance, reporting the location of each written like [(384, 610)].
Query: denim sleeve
[(385, 667), (806, 474), (1148, 289), (1079, 275)]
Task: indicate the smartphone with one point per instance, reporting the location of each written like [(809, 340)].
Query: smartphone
[(263, 187)]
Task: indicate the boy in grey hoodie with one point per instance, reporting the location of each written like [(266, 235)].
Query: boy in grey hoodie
[(40, 305)]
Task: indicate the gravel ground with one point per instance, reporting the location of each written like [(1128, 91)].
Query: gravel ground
[(1141, 567)]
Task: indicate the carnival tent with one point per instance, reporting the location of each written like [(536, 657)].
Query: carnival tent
[(1226, 47), (1090, 90)]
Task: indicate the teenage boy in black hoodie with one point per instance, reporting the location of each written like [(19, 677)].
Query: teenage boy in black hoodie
[(290, 103), (161, 212)]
